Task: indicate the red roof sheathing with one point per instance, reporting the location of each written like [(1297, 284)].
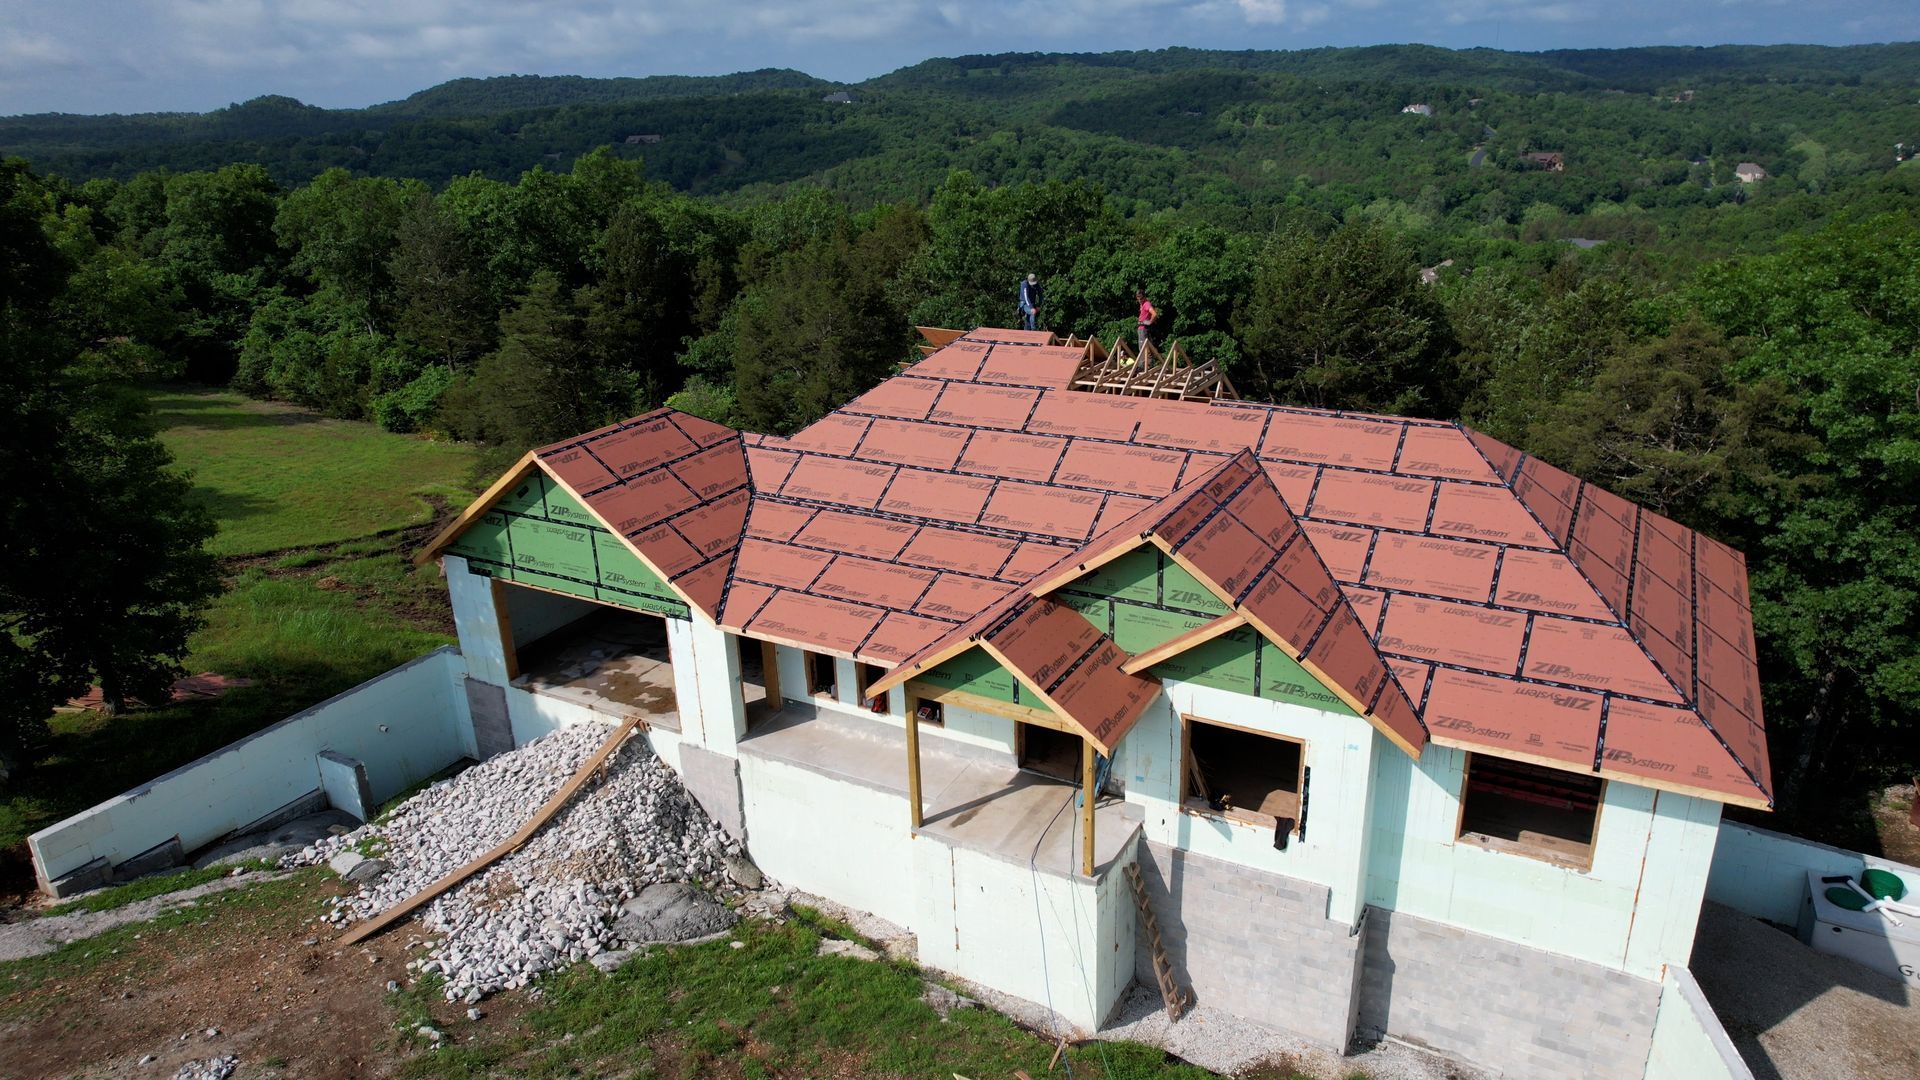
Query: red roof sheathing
[(1521, 611)]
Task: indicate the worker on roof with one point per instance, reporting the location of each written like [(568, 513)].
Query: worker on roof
[(1147, 316), (1030, 297)]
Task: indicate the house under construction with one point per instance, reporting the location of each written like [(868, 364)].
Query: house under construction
[(1086, 671)]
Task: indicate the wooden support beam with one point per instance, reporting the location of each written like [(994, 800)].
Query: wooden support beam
[(508, 651), (1086, 807), (1197, 636), (506, 847), (770, 674), (913, 759)]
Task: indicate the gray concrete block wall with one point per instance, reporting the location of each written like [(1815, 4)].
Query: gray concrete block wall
[(492, 728), (1500, 1005), (714, 782), (1258, 945)]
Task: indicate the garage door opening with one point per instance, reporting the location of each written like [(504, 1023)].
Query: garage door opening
[(611, 661)]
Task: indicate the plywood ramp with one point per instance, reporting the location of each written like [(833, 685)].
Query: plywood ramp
[(506, 847)]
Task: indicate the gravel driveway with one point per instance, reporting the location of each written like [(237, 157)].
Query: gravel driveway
[(1793, 1012)]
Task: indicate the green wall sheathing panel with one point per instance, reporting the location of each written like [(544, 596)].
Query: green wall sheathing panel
[(1144, 599), (1283, 679), (539, 535), (1133, 576), (1228, 662), (1137, 628), (1179, 589), (975, 672)]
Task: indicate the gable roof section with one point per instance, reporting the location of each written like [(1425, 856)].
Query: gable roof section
[(1519, 611), (672, 487), (1233, 532)]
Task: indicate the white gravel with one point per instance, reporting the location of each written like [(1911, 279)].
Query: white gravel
[(554, 901)]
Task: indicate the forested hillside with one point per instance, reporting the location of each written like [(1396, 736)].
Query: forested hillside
[(1743, 356)]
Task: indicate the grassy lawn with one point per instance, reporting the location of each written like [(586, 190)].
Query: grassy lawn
[(772, 1007), (279, 477), (340, 607)]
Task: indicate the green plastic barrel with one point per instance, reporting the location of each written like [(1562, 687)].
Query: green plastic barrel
[(1883, 884)]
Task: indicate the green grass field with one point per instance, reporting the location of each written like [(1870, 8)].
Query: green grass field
[(338, 606), (278, 477)]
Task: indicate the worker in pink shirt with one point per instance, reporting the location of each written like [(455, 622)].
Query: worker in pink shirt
[(1147, 315)]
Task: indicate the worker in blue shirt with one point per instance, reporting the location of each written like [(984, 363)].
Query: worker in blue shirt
[(1030, 297)]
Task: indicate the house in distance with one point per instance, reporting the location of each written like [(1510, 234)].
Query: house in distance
[(1384, 726)]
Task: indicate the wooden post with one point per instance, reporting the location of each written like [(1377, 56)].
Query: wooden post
[(508, 650), (913, 758), (770, 675), (1086, 808)]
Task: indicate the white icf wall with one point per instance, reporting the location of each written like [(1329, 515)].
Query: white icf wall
[(838, 839), (1339, 751), (1634, 910), (404, 725), (475, 620), (960, 725)]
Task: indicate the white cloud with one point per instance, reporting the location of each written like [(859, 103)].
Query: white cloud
[(1264, 11)]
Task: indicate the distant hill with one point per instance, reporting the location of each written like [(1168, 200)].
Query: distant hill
[(502, 93), (1236, 133)]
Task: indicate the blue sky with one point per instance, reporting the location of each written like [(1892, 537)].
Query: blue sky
[(146, 55)]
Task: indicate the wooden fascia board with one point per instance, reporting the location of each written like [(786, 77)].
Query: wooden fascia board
[(1294, 651), (479, 506), (1750, 801), (1079, 570), (792, 643), (902, 672), (1007, 710), (1063, 714), (1194, 638), (629, 545)]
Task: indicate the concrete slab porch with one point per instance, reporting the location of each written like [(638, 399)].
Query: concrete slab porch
[(975, 798)]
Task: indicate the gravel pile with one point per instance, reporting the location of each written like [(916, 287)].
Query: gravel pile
[(557, 899)]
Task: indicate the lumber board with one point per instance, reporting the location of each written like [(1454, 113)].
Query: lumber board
[(479, 506), (506, 847), (1194, 638)]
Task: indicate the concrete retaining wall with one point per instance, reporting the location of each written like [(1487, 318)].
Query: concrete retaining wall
[(1259, 945), (403, 726), (1688, 1041), (1523, 1011), (1765, 873)]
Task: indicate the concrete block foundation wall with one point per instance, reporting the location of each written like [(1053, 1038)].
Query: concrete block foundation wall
[(1500, 1005), (1256, 944), (401, 727)]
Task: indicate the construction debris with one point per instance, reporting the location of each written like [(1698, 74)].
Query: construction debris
[(561, 896)]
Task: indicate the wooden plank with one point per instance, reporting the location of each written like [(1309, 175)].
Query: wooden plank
[(913, 762), (1006, 710), (940, 337), (474, 509), (770, 674), (507, 649), (1199, 635), (506, 847), (1086, 808)]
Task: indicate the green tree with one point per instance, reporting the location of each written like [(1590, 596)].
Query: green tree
[(1342, 321), (104, 570), (823, 326), (1831, 530)]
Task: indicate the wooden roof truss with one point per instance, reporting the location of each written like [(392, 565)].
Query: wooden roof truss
[(1148, 373)]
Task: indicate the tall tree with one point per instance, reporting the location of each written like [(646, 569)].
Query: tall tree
[(1342, 321), (104, 569)]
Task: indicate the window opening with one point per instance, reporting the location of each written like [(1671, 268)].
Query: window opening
[(870, 674), (820, 673), (1247, 775), (1529, 810), (1050, 753)]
